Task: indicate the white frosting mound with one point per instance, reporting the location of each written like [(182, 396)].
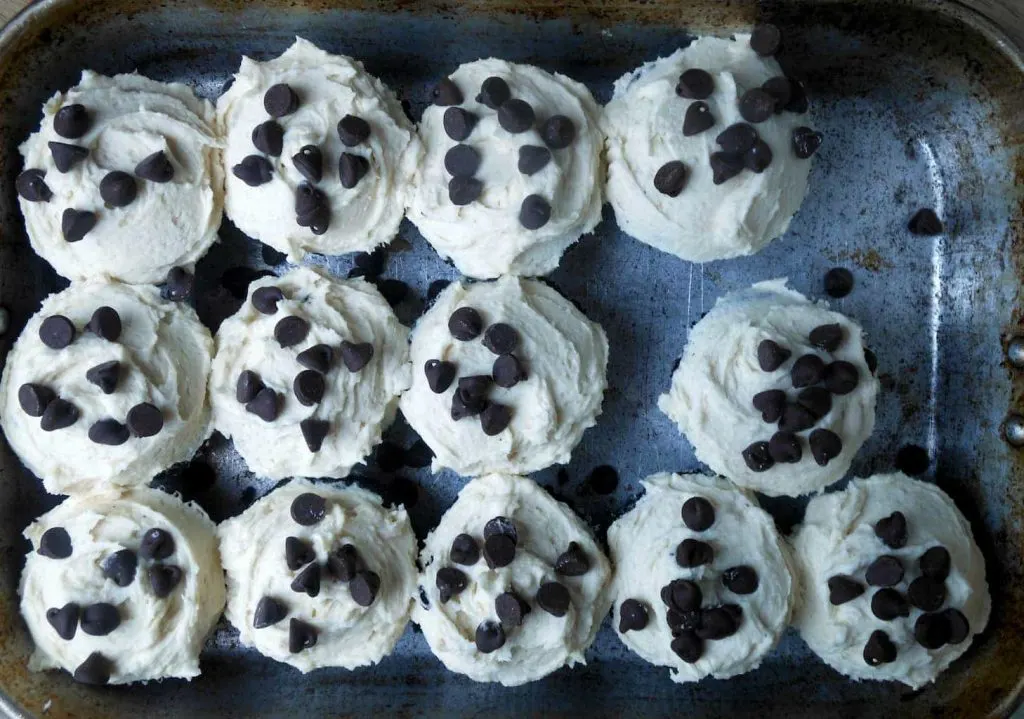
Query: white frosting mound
[(544, 642), (169, 223), (564, 355), (643, 544), (164, 355), (643, 124), (347, 634), (485, 238), (329, 87), (838, 538), (358, 405), (157, 637), (711, 397)]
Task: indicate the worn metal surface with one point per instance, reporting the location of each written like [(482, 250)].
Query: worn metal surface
[(918, 108)]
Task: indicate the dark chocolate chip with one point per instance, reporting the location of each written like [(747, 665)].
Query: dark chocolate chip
[(511, 609), (307, 581), (57, 332), (32, 187), (602, 479), (76, 224), (670, 179), (879, 649), (248, 386), (495, 418), (308, 387), (633, 616), (55, 543), (758, 457), (156, 168), (291, 331), (698, 118), (35, 398), (758, 157), (265, 405), (265, 299), (254, 170), (698, 514), (300, 635), (458, 123), (533, 159), (157, 544), (494, 92), (65, 157), (106, 323), (807, 370), (464, 190), (268, 138), (682, 595), (935, 563), (356, 355), (842, 589), (771, 355), (178, 285), (145, 420), (959, 627), (688, 646), (770, 404), (450, 582), (64, 620), (825, 446), (516, 116), (95, 670), (72, 121), (118, 189), (737, 138), (100, 619), (740, 580), (59, 414), (499, 550), (109, 432), (105, 376), (490, 637), (796, 418), (765, 39), (268, 612), (343, 563), (573, 562), (784, 447), (462, 161), (817, 400), (558, 132), (446, 93), (892, 530), (927, 594), (553, 598), (163, 578), (887, 604), (781, 89), (501, 338), (912, 460), (886, 571), (827, 337), (308, 509), (298, 553), (465, 324), (719, 622), (309, 162), (725, 166), (841, 377), (694, 553), (313, 432), (757, 105), (925, 222), (318, 358), (508, 371), (364, 587), (932, 631), (351, 169), (280, 100), (353, 130), (695, 84), (503, 526), (312, 209), (806, 142), (441, 374), (534, 213), (838, 282), (464, 550)]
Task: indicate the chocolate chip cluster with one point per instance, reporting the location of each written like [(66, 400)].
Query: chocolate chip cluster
[(515, 116), (691, 622), (343, 564), (501, 540), (312, 208), (741, 145), (935, 626), (309, 384), (38, 400), (816, 383), (118, 189), (120, 567)]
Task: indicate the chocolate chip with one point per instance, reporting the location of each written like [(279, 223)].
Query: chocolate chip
[(446, 92), (458, 123), (264, 405), (553, 598), (698, 514), (870, 360), (758, 457), (308, 387), (351, 169), (879, 649), (356, 355), (312, 209), (300, 635), (248, 386), (633, 616), (495, 418), (501, 338), (602, 479), (313, 432), (771, 355), (511, 609), (108, 432), (100, 619), (439, 373), (912, 460), (694, 553), (740, 580), (163, 578), (725, 166), (508, 371), (35, 398), (886, 571), (462, 161), (465, 324), (280, 100), (892, 530), (781, 89), (353, 130), (841, 377), (533, 159), (935, 563), (503, 526), (516, 116), (290, 331), (76, 224), (758, 157), (925, 222), (307, 581), (795, 418), (765, 39), (499, 550), (959, 628), (253, 170), (464, 190), (120, 567), (450, 582), (298, 553), (57, 332), (770, 404), (887, 604), (118, 189), (308, 509), (343, 563), (808, 370), (825, 446), (464, 550), (64, 156), (534, 213), (268, 612), (95, 670), (364, 587), (932, 631), (737, 138), (72, 121), (784, 447), (105, 376), (927, 594), (843, 589), (558, 132), (317, 358), (695, 84), (268, 138), (55, 543), (490, 637), (827, 337), (756, 105), (157, 167), (682, 595), (309, 163), (806, 142), (178, 285), (145, 420), (157, 544), (698, 118), (493, 93), (573, 562), (838, 282), (475, 385), (670, 179), (32, 187), (64, 620), (817, 401), (265, 299), (59, 414), (719, 622), (106, 323), (688, 646)]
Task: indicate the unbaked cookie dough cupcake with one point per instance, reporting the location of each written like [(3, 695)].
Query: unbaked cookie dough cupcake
[(774, 391), (121, 586), (307, 374), (319, 575), (513, 585), (123, 179), (506, 377), (703, 583), (106, 386), (894, 583), (708, 149), (513, 172), (320, 156)]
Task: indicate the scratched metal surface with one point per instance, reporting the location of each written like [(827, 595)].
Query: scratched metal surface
[(917, 110)]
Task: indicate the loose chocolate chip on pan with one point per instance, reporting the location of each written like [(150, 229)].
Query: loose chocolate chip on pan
[(932, 631), (265, 299), (55, 543), (670, 179), (695, 84), (827, 337), (465, 324), (356, 355), (59, 414), (698, 514), (927, 594), (35, 398), (309, 162), (248, 386), (464, 190), (351, 169), (291, 331), (842, 589), (879, 649), (464, 550), (511, 609), (758, 457), (308, 387), (298, 553), (558, 132), (757, 105), (156, 167), (534, 213), (887, 604), (313, 433), (268, 138), (838, 282), (817, 400), (71, 121), (76, 224), (825, 446), (439, 373), (841, 377), (163, 578), (95, 670), (32, 187), (806, 142), (343, 563), (64, 620), (725, 166), (694, 553), (533, 159), (553, 598), (156, 544), (364, 587), (446, 93), (108, 432), (490, 637), (178, 285), (959, 627), (633, 616), (935, 563), (57, 332), (892, 530), (784, 447), (495, 418), (300, 635), (573, 562), (682, 595), (808, 370), (106, 323), (771, 355), (886, 571), (516, 116), (66, 156), (253, 170), (307, 581), (499, 550), (268, 612), (280, 100), (697, 119), (501, 338), (737, 138), (508, 371), (308, 509), (118, 189), (741, 579), (462, 161), (781, 89), (450, 583), (719, 622), (145, 420), (100, 619), (758, 157), (912, 460), (688, 646), (925, 222), (770, 404), (765, 39), (458, 123), (493, 93), (795, 418), (265, 405)]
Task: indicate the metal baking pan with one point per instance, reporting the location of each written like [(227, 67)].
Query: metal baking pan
[(922, 104)]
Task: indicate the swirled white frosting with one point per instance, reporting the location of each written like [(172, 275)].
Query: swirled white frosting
[(358, 405), (642, 544), (157, 637), (329, 87), (837, 537), (348, 635), (644, 128), (545, 528), (564, 354), (169, 224), (164, 354), (485, 238), (711, 397)]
